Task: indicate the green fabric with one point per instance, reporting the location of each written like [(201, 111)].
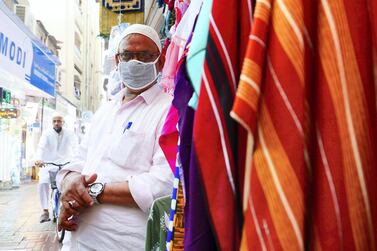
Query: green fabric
[(197, 51), (157, 228)]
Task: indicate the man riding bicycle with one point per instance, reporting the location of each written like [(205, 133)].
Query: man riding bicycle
[(55, 145)]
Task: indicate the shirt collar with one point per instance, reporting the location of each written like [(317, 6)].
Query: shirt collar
[(148, 95)]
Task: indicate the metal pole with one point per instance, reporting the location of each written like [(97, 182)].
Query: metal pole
[(43, 104)]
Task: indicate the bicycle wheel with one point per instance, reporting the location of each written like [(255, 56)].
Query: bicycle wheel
[(59, 234), (54, 204), (55, 210)]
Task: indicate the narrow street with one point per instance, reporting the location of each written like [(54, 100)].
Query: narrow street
[(19, 221)]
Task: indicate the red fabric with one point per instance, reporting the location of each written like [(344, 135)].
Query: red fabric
[(215, 134)]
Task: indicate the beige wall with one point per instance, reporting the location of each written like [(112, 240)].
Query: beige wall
[(92, 57), (9, 3)]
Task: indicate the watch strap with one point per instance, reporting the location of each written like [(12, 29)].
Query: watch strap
[(96, 202)]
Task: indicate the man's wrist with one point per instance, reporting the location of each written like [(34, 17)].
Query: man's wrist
[(101, 195)]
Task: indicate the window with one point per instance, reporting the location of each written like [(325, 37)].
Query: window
[(60, 76), (77, 86), (20, 12)]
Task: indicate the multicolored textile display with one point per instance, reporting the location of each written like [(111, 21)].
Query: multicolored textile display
[(198, 232), (169, 238), (179, 226), (307, 98), (215, 132)]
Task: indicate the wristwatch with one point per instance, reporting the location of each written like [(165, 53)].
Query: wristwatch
[(95, 189)]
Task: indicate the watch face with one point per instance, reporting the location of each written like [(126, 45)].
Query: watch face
[(96, 188)]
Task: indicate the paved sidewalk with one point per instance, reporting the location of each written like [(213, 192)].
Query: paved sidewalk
[(19, 221)]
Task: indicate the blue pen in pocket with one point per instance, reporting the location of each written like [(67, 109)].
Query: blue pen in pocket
[(127, 127)]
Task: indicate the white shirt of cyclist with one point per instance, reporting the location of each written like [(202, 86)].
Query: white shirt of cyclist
[(55, 147)]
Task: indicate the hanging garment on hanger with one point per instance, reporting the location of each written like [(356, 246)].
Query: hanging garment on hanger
[(197, 51), (184, 27), (198, 233)]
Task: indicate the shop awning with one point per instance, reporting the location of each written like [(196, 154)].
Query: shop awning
[(24, 60)]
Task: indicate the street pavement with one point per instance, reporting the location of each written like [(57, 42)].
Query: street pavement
[(19, 221)]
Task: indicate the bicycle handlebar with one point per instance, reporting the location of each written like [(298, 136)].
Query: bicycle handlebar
[(54, 164)]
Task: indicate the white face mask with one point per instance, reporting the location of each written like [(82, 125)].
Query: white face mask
[(137, 75)]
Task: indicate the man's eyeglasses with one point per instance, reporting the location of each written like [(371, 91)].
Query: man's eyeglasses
[(57, 120), (142, 56)]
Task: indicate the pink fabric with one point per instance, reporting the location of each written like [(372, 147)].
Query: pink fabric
[(170, 68), (169, 137)]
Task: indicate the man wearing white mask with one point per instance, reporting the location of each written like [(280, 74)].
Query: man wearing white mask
[(120, 169), (55, 145)]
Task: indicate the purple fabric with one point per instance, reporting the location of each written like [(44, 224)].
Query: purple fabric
[(198, 232)]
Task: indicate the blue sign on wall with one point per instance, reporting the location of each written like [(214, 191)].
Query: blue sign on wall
[(42, 72)]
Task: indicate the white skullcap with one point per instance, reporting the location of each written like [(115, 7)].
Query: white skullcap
[(57, 115), (143, 30)]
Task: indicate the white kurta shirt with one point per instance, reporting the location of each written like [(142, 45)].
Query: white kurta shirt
[(122, 145), (55, 147)]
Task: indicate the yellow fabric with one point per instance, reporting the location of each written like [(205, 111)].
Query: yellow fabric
[(109, 19)]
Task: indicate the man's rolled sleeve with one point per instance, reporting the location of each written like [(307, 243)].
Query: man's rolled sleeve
[(158, 182), (74, 167)]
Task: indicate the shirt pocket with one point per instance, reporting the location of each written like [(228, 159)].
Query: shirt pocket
[(133, 150)]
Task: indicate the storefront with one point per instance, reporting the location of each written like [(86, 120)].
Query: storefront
[(27, 68)]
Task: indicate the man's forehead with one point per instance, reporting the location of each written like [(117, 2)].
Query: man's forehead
[(137, 39)]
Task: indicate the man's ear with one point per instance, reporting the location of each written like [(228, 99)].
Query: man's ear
[(160, 62), (117, 58)]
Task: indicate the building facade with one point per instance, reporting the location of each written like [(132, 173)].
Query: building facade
[(92, 46), (75, 25)]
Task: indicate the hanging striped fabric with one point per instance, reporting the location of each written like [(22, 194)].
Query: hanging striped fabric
[(216, 135), (307, 98)]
